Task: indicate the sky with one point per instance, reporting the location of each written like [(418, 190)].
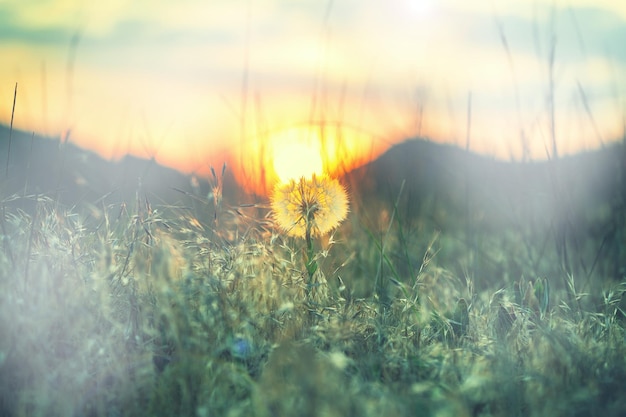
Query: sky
[(196, 83)]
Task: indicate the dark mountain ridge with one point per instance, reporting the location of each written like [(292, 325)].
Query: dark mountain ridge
[(457, 174), (435, 178), (48, 166)]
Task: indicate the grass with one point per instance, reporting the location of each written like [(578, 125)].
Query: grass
[(133, 310)]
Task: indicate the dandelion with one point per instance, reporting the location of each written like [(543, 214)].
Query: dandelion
[(308, 208)]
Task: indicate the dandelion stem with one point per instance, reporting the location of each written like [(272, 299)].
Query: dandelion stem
[(311, 263)]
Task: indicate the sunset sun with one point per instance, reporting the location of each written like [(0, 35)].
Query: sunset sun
[(295, 158), (303, 150)]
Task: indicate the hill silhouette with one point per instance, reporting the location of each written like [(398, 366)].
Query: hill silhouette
[(457, 178), (72, 175), (50, 166)]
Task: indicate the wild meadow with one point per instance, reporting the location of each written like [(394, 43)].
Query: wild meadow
[(479, 289)]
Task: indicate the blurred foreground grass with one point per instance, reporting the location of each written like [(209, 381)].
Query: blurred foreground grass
[(134, 310)]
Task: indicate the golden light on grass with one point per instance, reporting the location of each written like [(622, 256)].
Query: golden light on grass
[(309, 206)]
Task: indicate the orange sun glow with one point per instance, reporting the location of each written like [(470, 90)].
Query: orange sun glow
[(301, 151), (296, 156)]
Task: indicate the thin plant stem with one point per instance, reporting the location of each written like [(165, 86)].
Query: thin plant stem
[(311, 263), (11, 131)]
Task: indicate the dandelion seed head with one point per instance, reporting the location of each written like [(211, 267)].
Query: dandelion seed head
[(319, 202)]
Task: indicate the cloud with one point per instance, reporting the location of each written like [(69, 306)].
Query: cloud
[(600, 32), (12, 33)]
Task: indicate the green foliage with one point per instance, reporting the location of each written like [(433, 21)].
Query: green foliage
[(123, 310)]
